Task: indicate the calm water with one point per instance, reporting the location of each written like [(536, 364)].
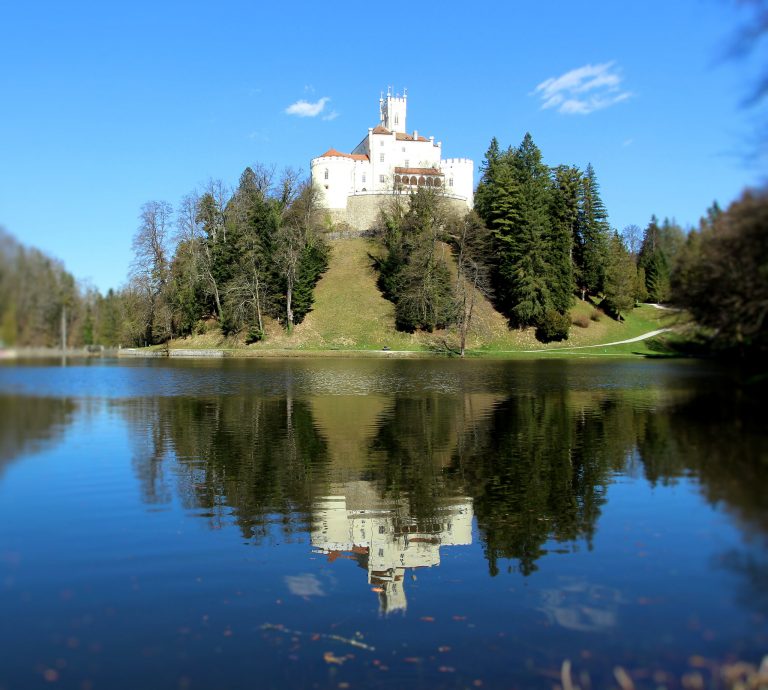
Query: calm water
[(373, 523)]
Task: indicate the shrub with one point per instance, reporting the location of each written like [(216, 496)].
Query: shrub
[(581, 321), (596, 315), (254, 335), (553, 327)]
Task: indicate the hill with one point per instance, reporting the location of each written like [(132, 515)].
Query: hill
[(351, 314)]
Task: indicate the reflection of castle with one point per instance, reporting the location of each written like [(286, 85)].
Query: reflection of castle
[(356, 523)]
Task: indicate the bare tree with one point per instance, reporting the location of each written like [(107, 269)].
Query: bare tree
[(150, 267), (471, 242)]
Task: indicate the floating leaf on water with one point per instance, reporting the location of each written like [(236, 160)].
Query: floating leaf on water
[(330, 658), (623, 679)]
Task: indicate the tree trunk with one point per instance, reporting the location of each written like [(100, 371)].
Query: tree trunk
[(289, 307)]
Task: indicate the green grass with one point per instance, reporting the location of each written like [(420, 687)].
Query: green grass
[(350, 315)]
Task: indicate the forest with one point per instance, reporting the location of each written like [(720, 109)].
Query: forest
[(537, 239)]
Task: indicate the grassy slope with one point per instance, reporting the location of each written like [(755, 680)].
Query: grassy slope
[(350, 314)]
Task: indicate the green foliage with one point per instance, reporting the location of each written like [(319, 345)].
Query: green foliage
[(592, 236), (620, 279), (653, 261), (414, 273), (723, 276), (553, 327), (564, 227)]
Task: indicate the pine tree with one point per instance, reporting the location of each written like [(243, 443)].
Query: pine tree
[(592, 237), (563, 230), (654, 262), (620, 278)]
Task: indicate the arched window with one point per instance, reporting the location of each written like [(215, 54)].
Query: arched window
[(421, 181), (397, 119), (429, 182), (326, 174), (413, 180), (397, 179), (437, 182)]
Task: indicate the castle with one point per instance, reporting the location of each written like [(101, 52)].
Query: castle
[(388, 160)]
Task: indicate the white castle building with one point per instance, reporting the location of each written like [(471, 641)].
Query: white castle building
[(388, 160)]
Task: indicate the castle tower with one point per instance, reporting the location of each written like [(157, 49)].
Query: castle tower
[(393, 111)]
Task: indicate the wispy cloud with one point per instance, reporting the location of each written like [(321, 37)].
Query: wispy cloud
[(331, 116), (304, 108), (583, 90)]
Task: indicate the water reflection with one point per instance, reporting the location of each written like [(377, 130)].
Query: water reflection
[(357, 523), (618, 515), (532, 468), (28, 424)]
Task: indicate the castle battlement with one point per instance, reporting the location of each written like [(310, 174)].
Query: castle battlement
[(389, 158)]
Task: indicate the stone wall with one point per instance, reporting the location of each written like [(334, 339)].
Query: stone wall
[(362, 212)]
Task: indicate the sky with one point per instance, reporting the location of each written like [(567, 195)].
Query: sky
[(105, 106)]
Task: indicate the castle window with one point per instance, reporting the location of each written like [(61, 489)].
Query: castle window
[(363, 178), (381, 158), (382, 179), (450, 182), (381, 143), (407, 164), (326, 174), (397, 119), (403, 149)]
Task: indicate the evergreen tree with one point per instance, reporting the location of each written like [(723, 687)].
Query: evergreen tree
[(414, 273), (654, 262), (563, 231), (592, 237), (620, 278)]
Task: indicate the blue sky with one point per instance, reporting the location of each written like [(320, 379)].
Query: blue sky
[(104, 106)]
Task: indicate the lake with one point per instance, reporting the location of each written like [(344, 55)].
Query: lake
[(379, 523)]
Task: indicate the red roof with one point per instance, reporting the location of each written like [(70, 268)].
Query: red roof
[(333, 153), (379, 129), (402, 136)]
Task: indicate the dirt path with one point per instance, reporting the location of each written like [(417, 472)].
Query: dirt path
[(636, 339)]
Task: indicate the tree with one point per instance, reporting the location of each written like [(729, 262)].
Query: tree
[(654, 262), (414, 273), (632, 236), (723, 279), (563, 231), (592, 236), (471, 243), (150, 268), (620, 278)]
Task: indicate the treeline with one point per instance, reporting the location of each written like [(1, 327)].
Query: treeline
[(551, 240), (37, 297), (721, 278), (538, 237), (236, 257)]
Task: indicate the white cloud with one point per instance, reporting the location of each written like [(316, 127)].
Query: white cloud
[(583, 90), (331, 116), (304, 108)]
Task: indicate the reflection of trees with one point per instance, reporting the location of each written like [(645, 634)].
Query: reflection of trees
[(539, 471), (27, 423), (535, 467), (415, 440), (259, 457)]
